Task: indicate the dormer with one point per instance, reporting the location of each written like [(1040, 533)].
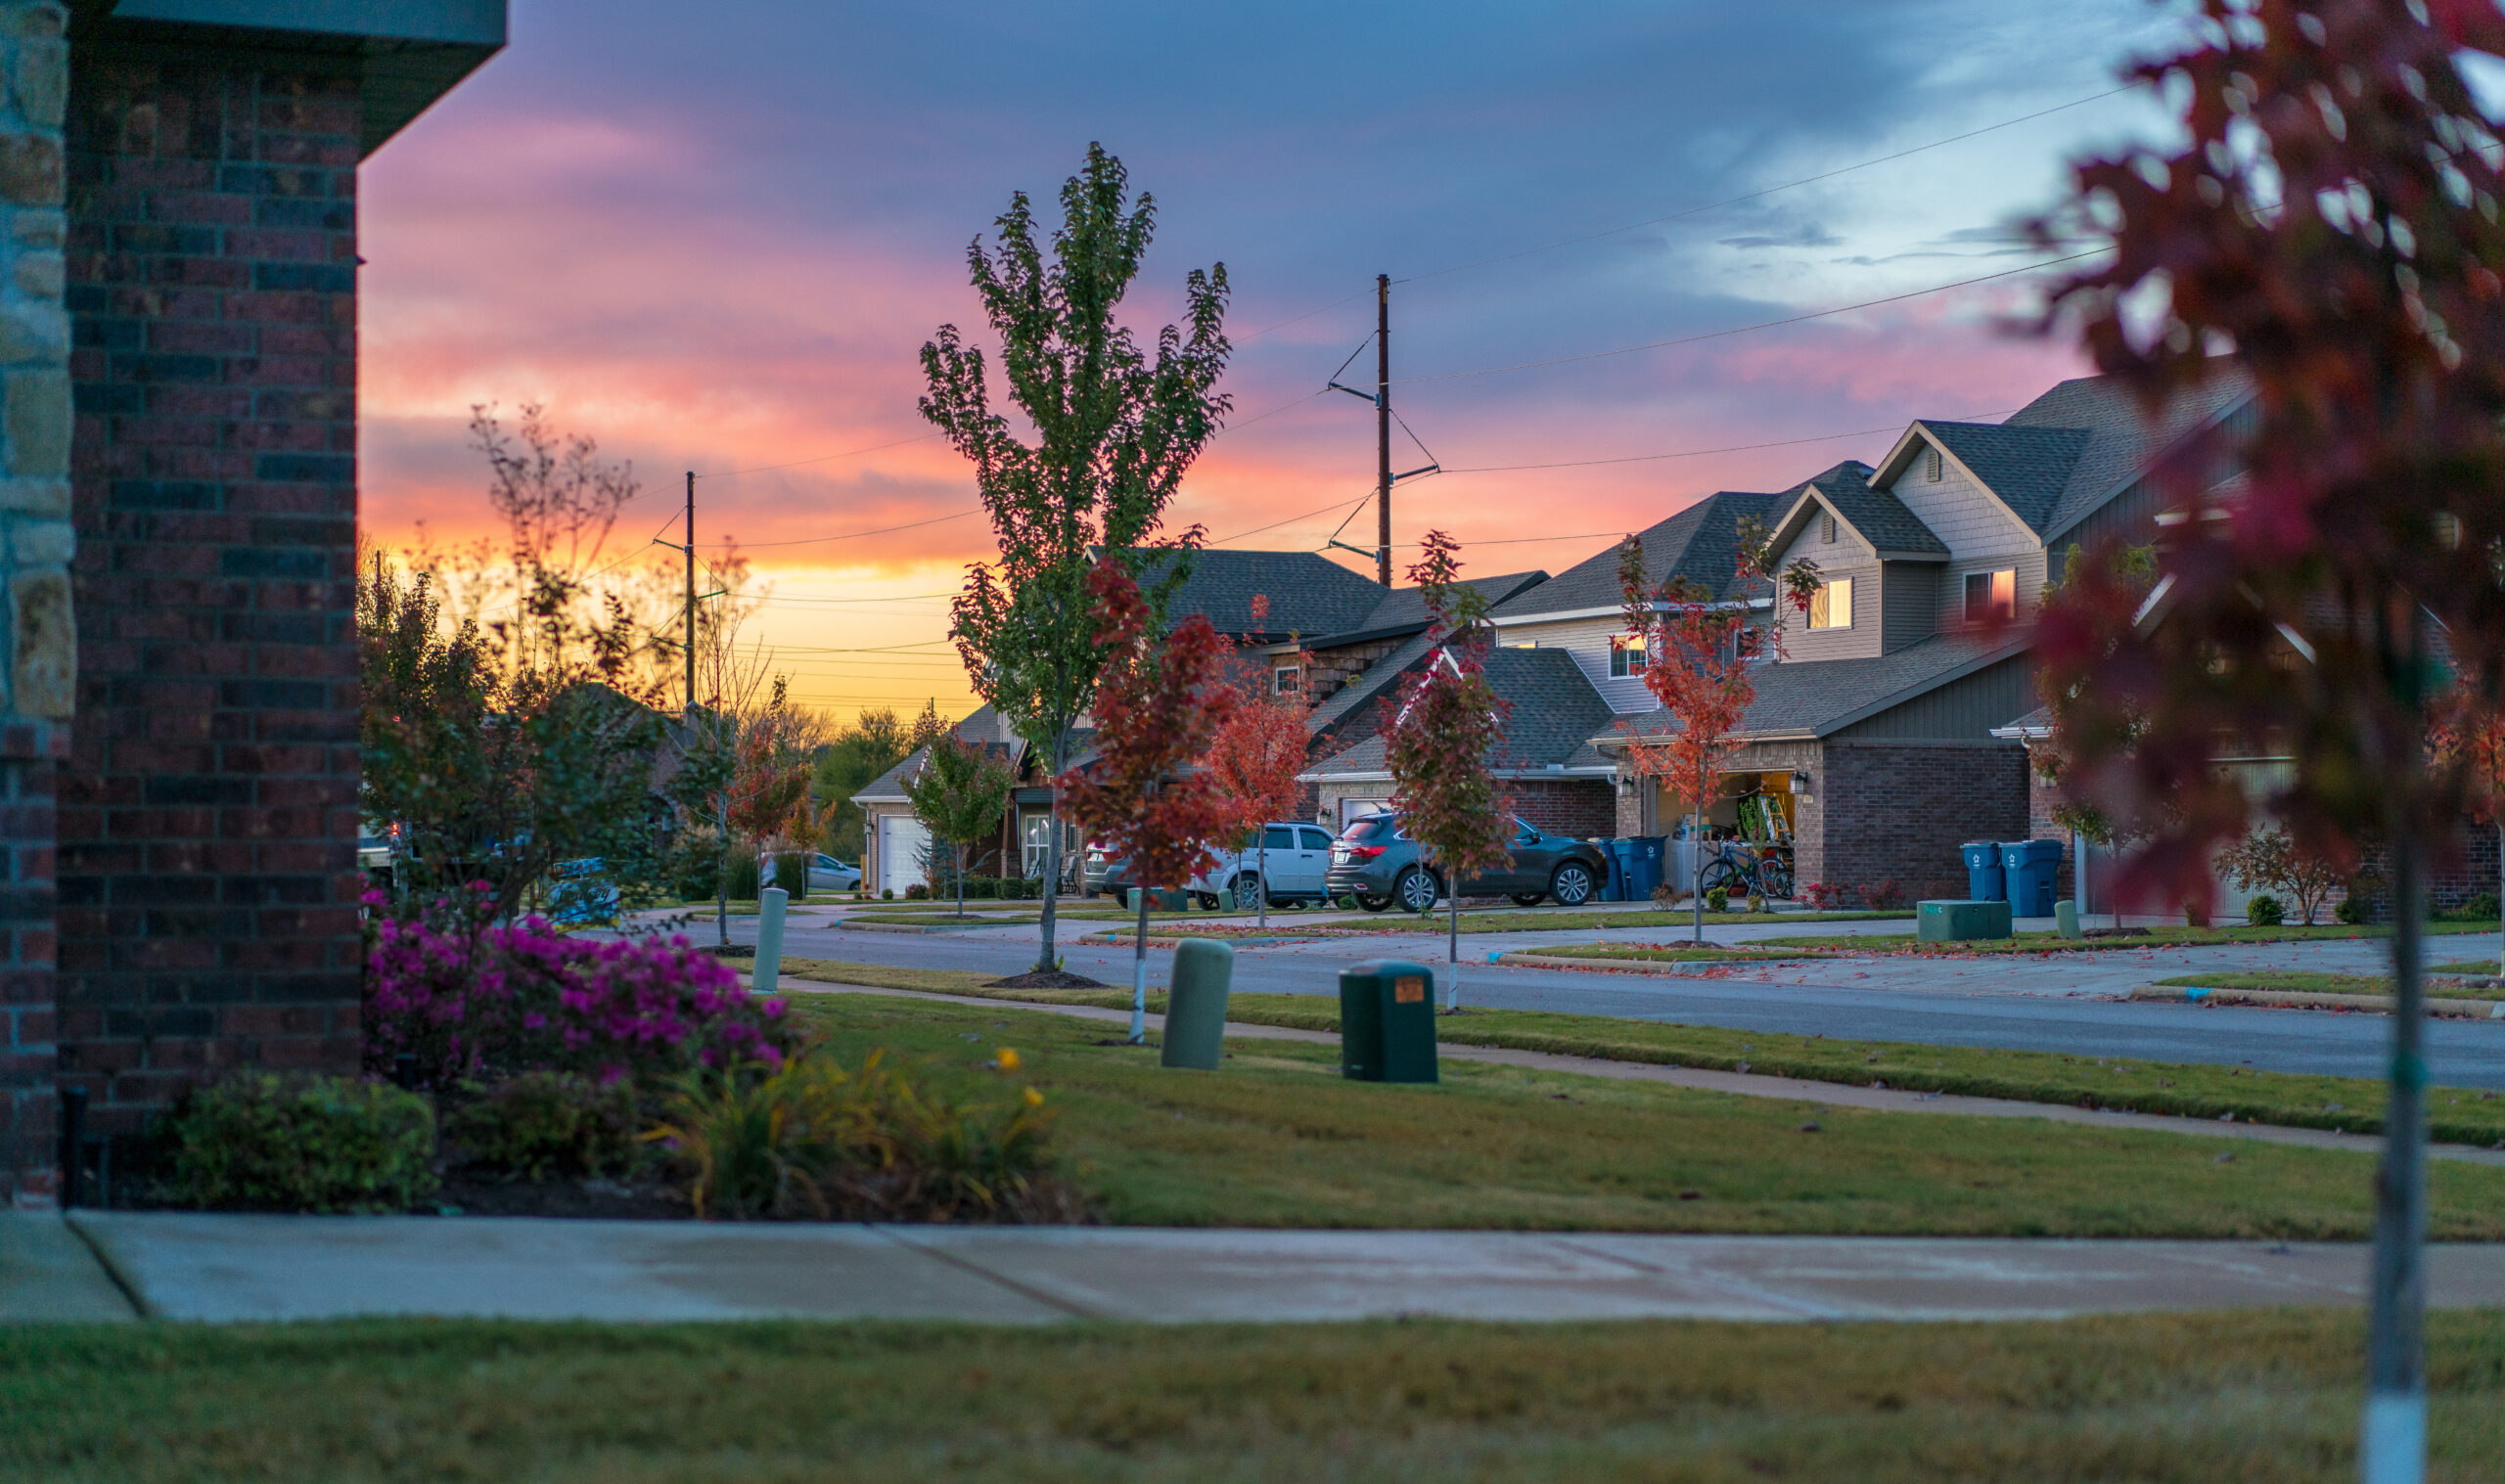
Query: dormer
[(1878, 564)]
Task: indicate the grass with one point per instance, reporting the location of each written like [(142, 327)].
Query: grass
[(2473, 968), (2158, 938), (2162, 1399), (2305, 981), (1560, 919), (2197, 1089), (1281, 1140)]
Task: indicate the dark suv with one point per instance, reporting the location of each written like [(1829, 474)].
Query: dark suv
[(1378, 865)]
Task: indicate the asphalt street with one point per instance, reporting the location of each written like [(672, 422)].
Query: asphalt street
[(2041, 1002)]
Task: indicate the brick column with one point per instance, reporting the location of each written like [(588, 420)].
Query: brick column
[(209, 810), (41, 659)]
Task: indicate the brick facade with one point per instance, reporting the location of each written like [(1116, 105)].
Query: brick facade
[(208, 816), (39, 656), (1898, 811), (1580, 807)]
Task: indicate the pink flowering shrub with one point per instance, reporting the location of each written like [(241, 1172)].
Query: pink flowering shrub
[(464, 997)]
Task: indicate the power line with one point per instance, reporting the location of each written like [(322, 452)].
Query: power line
[(719, 546), (1291, 519), (1715, 335), (1699, 453), (855, 453), (1787, 185)]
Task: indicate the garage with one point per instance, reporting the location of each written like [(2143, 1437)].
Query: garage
[(904, 844)]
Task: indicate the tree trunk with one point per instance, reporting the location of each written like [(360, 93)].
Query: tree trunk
[(1696, 859), (1139, 966), (1262, 869), (2500, 890), (958, 852), (722, 883), (1046, 961), (2394, 1448), (1452, 949)]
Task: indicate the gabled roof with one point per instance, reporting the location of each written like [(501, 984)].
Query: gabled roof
[(1874, 515), (2027, 466), (1814, 697), (1700, 543), (1307, 593), (982, 727), (1554, 714), (2123, 437), (1403, 610), (1384, 673)]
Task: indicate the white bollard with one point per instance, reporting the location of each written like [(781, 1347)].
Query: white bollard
[(769, 938)]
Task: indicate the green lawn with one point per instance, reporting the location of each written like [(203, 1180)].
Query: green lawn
[(2457, 1115), (2158, 938), (1561, 918), (1667, 953), (2157, 1399), (2305, 981), (1279, 1138)]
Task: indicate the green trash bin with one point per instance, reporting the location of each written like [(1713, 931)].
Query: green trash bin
[(1387, 1021), (1196, 1009), (1954, 922)]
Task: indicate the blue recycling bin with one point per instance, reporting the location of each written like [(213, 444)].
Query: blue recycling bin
[(2034, 872), (1613, 859), (1643, 866), (1984, 880)]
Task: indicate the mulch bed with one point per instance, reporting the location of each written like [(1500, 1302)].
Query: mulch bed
[(582, 1199), (1052, 978)]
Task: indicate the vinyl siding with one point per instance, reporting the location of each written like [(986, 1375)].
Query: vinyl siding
[(1964, 710), (1860, 641), (1587, 641), (1982, 536), (1909, 604)]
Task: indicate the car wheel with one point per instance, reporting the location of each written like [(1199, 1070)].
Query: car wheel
[(1572, 884), (1415, 891), (1248, 892), (1529, 898), (1372, 904)]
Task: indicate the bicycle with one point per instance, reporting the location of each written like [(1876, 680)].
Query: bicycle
[(1744, 872)]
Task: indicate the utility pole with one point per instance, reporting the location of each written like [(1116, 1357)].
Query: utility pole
[(1381, 427), (691, 593)]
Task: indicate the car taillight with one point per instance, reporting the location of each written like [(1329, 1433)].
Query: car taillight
[(1364, 852)]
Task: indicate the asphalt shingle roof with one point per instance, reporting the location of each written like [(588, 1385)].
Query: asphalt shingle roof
[(1406, 607), (1307, 593), (1555, 714), (980, 724), (2122, 438), (1700, 543), (1879, 516), (2027, 465), (1819, 696)]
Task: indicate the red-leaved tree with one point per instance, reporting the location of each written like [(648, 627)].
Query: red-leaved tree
[(2470, 736), (2330, 219), (1158, 705), (1255, 756), (1698, 652), (1439, 741)]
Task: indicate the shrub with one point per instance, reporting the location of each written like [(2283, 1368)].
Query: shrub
[(742, 874), (1884, 895), (917, 892), (982, 887), (814, 1140), (2265, 911), (461, 999), (886, 893), (543, 1123), (1756, 901), (791, 874), (257, 1141), (1820, 896), (2351, 912), (2479, 909), (1717, 899)]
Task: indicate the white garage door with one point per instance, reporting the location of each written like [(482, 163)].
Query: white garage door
[(903, 839)]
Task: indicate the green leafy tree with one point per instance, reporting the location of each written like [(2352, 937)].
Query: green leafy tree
[(960, 790), (856, 758), (1439, 741), (1115, 430)]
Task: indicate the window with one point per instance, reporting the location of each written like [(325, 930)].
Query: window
[(1287, 678), (1625, 655), (1036, 845), (1826, 530), (1522, 644), (1931, 465), (1991, 595), (1278, 837), (1315, 839), (1831, 605)]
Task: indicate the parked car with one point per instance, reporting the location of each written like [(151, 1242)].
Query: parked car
[(581, 894), (1297, 861), (826, 872), (1101, 873), (1377, 864)]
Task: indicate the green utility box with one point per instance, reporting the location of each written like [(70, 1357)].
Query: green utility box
[(1387, 1021), (2066, 919), (1956, 921), (1163, 899), (1196, 1008)]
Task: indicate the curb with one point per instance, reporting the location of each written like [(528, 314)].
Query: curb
[(914, 931), (2439, 1008), (1687, 967), (1176, 940)]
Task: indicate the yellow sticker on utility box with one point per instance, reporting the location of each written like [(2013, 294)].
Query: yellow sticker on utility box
[(1408, 989)]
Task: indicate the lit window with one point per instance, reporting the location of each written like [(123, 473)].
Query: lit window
[(1831, 605), (1827, 531), (1626, 655), (1991, 595), (1931, 465), (1286, 680)]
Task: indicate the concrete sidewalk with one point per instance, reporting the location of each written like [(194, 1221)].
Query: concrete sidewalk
[(223, 1267)]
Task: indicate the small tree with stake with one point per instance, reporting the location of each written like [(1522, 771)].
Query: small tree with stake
[(2333, 218), (2470, 736), (1697, 654), (960, 791), (1157, 709), (1437, 743)]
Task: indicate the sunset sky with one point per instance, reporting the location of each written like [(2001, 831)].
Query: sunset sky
[(721, 246)]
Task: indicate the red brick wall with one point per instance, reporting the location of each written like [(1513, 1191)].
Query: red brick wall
[(1579, 807), (208, 809), (1898, 811), (28, 1056)]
